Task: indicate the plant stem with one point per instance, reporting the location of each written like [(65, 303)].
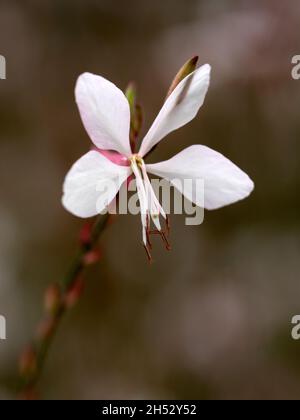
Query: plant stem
[(34, 360)]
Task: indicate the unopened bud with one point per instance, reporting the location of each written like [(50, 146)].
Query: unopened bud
[(138, 119), (85, 234), (136, 116), (130, 94), (75, 291), (52, 298), (27, 362), (92, 257), (185, 70), (45, 328)]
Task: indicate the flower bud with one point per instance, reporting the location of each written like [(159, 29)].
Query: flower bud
[(136, 116), (27, 362), (45, 328), (85, 234), (74, 293), (138, 119), (185, 70), (52, 299), (130, 94), (92, 257)]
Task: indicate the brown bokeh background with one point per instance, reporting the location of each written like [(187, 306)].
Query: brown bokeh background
[(212, 318)]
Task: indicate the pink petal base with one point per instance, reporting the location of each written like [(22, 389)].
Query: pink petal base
[(113, 156), (116, 158)]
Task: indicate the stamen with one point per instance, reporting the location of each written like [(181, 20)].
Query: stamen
[(148, 253), (167, 244), (148, 232), (163, 236), (150, 207)]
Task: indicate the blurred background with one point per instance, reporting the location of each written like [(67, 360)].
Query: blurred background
[(212, 318)]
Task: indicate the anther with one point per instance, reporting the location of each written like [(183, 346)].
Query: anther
[(168, 246), (148, 231), (148, 253)]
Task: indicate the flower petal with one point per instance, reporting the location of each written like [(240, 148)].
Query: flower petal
[(224, 182), (91, 184), (104, 111), (180, 107)]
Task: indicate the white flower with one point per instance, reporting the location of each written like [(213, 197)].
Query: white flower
[(105, 113)]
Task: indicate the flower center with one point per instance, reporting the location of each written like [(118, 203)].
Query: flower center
[(136, 159)]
